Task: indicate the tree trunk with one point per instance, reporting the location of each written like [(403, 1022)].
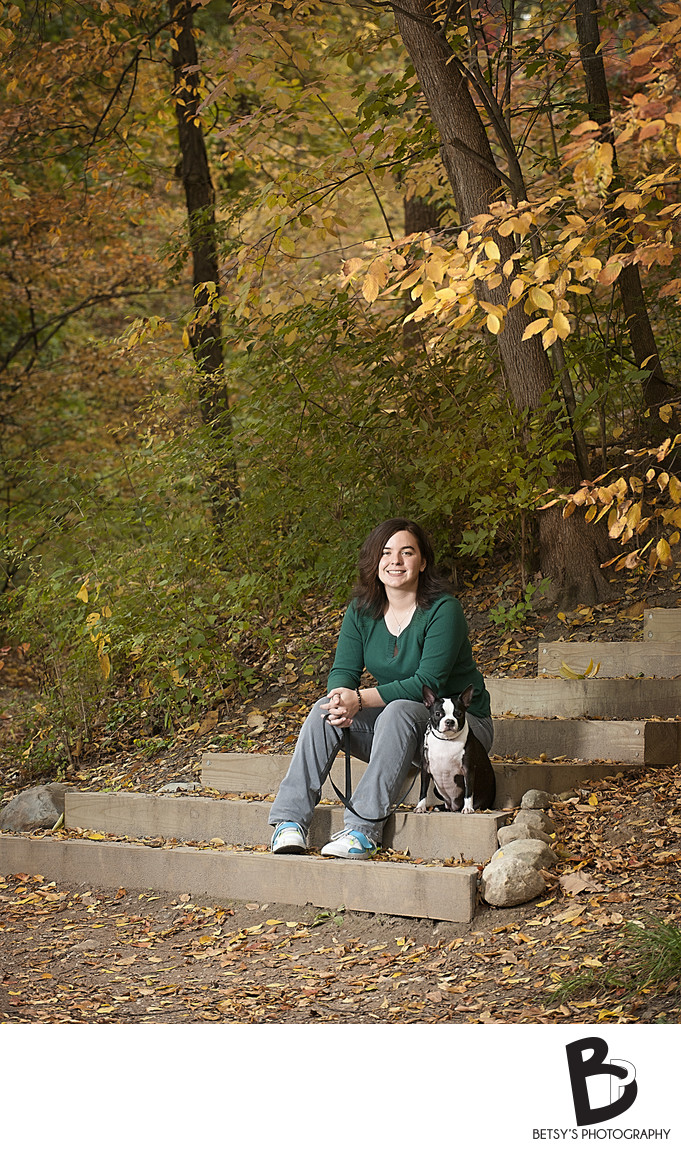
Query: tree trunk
[(655, 388), (570, 550), (205, 330)]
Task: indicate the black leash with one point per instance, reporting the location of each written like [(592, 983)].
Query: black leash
[(345, 798)]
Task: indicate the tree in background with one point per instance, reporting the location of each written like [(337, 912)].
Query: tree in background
[(346, 357)]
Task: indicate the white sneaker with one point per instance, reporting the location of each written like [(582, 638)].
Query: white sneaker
[(288, 838), (349, 844)]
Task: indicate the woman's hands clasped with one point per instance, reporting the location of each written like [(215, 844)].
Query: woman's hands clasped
[(341, 707)]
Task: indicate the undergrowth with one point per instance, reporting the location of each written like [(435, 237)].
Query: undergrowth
[(648, 957)]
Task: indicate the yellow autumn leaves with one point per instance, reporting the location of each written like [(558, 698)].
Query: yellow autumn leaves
[(483, 275), (631, 505), (94, 626)]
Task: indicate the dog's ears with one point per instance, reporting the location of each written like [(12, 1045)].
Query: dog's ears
[(428, 696), (467, 696)]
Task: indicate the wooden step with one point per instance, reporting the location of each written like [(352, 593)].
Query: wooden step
[(642, 743), (262, 773), (617, 659), (660, 625), (515, 778), (464, 837), (442, 893), (585, 698), (227, 773)]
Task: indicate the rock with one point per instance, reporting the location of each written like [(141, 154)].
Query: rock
[(535, 818), (178, 787), (35, 809), (510, 882), (515, 832), (536, 800), (530, 850)]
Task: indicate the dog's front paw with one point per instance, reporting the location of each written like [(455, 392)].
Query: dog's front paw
[(421, 807), (468, 806)]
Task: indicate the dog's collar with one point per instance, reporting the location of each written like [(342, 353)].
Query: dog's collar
[(443, 737)]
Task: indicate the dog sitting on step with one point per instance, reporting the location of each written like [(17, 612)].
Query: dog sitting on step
[(454, 758)]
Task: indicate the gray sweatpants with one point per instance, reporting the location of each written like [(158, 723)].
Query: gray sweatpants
[(389, 738)]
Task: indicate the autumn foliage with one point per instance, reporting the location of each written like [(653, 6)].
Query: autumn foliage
[(197, 449)]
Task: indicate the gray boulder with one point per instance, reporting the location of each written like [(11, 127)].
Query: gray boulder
[(515, 831), (537, 819), (536, 800), (510, 882), (35, 809), (529, 850)]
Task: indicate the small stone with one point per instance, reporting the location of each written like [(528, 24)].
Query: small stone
[(514, 833), (535, 818), (530, 850), (35, 809), (510, 882), (536, 800)]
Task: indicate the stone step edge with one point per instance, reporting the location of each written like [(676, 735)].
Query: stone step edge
[(620, 699), (513, 775), (471, 837), (404, 889), (618, 659)]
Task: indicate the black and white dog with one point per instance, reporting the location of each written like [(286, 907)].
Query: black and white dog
[(454, 758)]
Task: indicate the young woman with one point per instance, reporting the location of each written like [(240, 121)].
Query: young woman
[(408, 631)]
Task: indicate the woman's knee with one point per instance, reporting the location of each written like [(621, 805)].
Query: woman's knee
[(406, 711)]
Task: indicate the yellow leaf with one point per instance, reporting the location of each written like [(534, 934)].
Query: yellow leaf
[(549, 338), (82, 593), (462, 240), (664, 553), (610, 272), (561, 325), (105, 663), (593, 799), (674, 489), (534, 328), (493, 324), (491, 250), (370, 288), (540, 298), (666, 413)]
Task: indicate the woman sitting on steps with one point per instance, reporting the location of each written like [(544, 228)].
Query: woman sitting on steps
[(405, 628)]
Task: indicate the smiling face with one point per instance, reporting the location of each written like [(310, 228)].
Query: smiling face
[(401, 563)]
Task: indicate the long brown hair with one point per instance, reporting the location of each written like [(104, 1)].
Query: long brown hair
[(369, 593)]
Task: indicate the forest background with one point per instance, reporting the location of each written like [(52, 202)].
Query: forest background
[(275, 272)]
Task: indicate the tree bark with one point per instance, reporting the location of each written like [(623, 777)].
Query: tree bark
[(205, 330), (570, 550), (419, 215), (655, 388)]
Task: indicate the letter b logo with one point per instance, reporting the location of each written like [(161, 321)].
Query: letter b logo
[(621, 1092)]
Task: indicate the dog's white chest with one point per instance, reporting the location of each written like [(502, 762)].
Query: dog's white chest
[(445, 761)]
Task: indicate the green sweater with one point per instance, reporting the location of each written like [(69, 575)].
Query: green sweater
[(433, 650)]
